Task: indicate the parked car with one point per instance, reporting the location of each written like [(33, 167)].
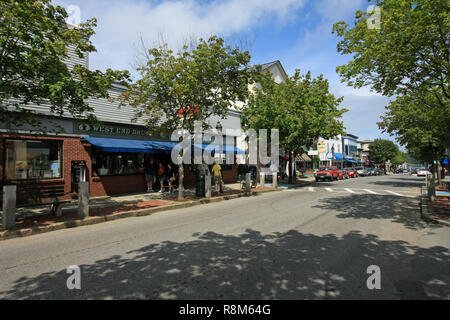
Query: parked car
[(422, 172), (379, 172), (413, 170), (361, 171), (370, 171), (327, 173), (352, 173), (343, 174), (397, 171)]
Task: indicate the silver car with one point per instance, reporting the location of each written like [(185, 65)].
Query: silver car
[(362, 171)]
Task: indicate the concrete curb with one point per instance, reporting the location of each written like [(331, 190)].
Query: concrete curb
[(425, 215), (10, 234)]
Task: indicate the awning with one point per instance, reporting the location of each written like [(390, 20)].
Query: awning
[(350, 160), (212, 148), (304, 157), (131, 146), (145, 146)]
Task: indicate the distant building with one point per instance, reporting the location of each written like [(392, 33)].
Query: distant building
[(364, 151)]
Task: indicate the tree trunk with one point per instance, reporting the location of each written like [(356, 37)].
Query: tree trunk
[(439, 176), (290, 167), (432, 189)]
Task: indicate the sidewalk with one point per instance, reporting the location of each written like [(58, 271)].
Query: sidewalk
[(102, 209), (437, 211)]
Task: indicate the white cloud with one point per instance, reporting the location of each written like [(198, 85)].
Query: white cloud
[(335, 10), (120, 23)]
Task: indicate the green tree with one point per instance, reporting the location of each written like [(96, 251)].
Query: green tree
[(410, 53), (383, 150), (34, 41), (302, 109), (175, 90), (399, 158), (423, 130)]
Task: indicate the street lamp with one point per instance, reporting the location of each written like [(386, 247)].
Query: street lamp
[(219, 130)]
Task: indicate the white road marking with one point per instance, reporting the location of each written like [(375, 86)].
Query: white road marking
[(394, 193), (349, 190), (370, 191), (329, 189), (311, 189)]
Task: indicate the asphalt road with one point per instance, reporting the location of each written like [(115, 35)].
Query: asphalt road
[(311, 243)]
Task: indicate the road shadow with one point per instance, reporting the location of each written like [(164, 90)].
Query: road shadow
[(254, 266), (400, 183), (401, 210)]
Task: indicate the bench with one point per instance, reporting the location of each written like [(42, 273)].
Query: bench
[(31, 196)]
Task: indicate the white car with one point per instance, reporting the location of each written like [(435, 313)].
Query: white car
[(362, 171), (422, 172)]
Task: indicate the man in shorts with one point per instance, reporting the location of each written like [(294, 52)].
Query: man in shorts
[(217, 171)]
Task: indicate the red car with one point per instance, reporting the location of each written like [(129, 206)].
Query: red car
[(327, 173), (352, 173), (343, 174)]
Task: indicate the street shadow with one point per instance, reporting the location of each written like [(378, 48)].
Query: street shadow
[(254, 266), (400, 183), (401, 210)]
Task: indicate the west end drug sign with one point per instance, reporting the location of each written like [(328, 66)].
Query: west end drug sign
[(114, 130)]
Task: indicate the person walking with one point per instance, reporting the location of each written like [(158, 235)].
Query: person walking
[(217, 171), (161, 176), (150, 171)]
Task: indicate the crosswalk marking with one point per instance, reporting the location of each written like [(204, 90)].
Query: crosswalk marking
[(370, 191), (357, 191), (394, 193)]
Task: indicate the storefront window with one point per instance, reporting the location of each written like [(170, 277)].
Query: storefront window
[(33, 159), (109, 164)]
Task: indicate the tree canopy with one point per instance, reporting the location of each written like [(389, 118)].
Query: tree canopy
[(177, 89), (382, 150), (410, 52), (423, 130), (302, 109), (34, 44)]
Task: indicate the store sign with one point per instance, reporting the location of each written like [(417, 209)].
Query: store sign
[(111, 130), (321, 147)]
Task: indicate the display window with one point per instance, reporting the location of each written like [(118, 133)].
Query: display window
[(33, 159), (113, 164)]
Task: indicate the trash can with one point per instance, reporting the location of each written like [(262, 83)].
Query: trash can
[(200, 187)]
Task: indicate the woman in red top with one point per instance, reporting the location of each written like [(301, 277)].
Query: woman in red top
[(161, 175)]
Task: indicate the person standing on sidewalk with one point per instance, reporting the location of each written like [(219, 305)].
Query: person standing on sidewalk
[(172, 176), (161, 176), (217, 171), (150, 174)]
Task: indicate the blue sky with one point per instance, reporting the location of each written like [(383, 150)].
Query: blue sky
[(296, 32)]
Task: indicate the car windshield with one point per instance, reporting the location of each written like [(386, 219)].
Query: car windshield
[(359, 168), (327, 169), (348, 169)]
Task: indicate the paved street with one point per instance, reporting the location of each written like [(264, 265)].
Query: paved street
[(310, 243)]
